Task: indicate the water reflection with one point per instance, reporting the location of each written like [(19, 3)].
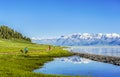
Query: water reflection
[(78, 66), (101, 50), (75, 60)]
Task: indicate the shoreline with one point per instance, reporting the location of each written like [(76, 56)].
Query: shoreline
[(100, 58)]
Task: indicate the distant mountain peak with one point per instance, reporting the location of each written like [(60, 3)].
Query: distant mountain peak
[(77, 39)]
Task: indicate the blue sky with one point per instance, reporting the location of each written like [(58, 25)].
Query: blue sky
[(48, 18)]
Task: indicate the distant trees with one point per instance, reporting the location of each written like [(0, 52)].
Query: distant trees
[(8, 33)]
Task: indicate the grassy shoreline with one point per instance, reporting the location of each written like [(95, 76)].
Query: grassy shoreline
[(16, 64), (22, 65)]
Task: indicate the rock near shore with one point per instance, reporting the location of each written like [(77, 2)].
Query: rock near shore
[(100, 58)]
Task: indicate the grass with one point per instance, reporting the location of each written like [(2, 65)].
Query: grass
[(13, 63)]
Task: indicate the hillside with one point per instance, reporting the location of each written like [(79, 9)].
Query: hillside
[(8, 33), (14, 63), (84, 39)]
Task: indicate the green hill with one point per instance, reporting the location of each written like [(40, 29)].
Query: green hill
[(8, 33), (14, 63)]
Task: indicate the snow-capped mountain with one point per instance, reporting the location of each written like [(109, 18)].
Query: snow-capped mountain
[(85, 39)]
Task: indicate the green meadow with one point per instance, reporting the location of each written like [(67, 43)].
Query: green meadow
[(13, 63)]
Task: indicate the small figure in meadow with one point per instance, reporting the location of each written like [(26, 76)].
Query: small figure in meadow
[(21, 51), (26, 50), (49, 48)]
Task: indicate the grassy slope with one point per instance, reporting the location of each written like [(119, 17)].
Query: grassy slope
[(15, 64)]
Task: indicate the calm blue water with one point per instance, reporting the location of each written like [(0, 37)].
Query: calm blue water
[(101, 50), (79, 66)]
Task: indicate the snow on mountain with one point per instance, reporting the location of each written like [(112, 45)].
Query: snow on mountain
[(79, 39)]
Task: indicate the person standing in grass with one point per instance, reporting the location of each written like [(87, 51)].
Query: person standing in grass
[(26, 50), (49, 48)]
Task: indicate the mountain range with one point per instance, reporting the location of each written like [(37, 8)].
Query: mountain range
[(84, 39)]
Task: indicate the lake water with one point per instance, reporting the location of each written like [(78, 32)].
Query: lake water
[(101, 50), (76, 65)]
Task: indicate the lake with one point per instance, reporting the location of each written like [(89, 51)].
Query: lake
[(100, 50), (76, 65)]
